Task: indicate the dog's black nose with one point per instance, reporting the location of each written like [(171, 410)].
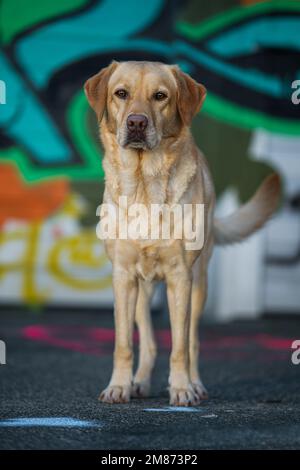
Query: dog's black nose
[(137, 123)]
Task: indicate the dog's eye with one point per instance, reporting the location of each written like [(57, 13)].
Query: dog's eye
[(159, 96), (121, 94)]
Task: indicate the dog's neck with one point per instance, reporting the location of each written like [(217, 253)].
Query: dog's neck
[(156, 176)]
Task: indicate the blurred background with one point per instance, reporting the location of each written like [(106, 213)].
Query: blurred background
[(246, 53)]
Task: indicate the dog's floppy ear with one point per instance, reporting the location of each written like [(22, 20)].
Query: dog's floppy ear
[(190, 95), (95, 89)]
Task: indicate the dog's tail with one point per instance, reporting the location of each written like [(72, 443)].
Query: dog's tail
[(251, 216)]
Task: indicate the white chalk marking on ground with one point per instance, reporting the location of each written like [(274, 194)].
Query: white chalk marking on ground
[(62, 421), (180, 409)]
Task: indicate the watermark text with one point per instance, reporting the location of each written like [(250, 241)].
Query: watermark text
[(296, 354), (154, 222), (296, 93), (2, 92), (2, 353)]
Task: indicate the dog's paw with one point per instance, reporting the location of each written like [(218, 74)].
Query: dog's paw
[(183, 397), (140, 389), (115, 394), (200, 390)]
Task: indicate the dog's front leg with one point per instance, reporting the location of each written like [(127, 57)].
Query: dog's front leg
[(147, 350), (125, 291), (179, 293)]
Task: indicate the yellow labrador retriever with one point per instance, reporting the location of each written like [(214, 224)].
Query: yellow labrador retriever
[(144, 111)]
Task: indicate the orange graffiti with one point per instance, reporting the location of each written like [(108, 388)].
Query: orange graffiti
[(29, 202)]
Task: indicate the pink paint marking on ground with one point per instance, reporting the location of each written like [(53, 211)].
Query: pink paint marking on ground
[(51, 337), (274, 343), (107, 334), (99, 341)]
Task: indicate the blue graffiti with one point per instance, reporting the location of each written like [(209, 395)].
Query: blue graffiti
[(258, 33), (99, 29), (176, 409), (52, 47), (255, 79), (26, 121), (183, 409), (49, 422)]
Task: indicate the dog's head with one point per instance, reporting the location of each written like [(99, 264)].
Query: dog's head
[(144, 102)]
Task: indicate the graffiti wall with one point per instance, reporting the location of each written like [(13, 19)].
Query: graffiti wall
[(51, 179)]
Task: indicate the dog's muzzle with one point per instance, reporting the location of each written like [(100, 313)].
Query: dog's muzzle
[(136, 130)]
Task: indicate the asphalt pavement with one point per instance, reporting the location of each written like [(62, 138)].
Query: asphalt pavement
[(58, 362)]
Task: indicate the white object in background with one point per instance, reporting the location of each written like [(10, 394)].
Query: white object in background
[(237, 288), (281, 152), (282, 278), (241, 284)]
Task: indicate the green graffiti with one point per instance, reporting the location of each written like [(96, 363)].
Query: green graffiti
[(245, 118), (77, 119), (195, 32), (225, 110), (32, 12)]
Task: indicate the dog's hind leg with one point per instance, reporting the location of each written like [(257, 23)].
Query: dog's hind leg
[(147, 346), (199, 293)]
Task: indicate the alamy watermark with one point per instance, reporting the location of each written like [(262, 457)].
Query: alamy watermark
[(2, 92), (296, 94), (153, 222), (2, 352), (296, 354)]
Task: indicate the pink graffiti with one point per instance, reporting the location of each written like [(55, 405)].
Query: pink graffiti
[(99, 341)]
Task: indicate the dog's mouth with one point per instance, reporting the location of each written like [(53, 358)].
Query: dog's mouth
[(136, 142)]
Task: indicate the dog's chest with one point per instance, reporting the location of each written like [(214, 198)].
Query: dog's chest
[(148, 265)]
